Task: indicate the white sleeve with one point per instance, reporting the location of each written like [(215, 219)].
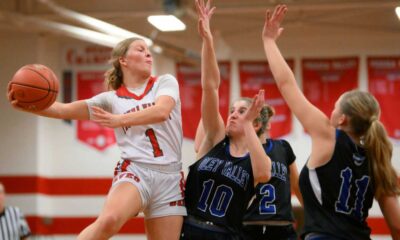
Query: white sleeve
[(168, 86), (102, 100)]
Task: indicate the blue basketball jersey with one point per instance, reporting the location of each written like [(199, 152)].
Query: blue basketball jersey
[(273, 199), (219, 187), (338, 195)]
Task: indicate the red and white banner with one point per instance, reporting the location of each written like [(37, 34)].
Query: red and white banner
[(189, 78), (256, 75), (324, 80), (91, 83), (384, 84)]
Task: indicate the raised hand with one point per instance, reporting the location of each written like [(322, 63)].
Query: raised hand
[(204, 12), (254, 110), (105, 118), (272, 26)]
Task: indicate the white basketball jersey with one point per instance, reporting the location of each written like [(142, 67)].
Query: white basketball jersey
[(158, 143)]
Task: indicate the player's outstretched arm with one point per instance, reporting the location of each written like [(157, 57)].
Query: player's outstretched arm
[(260, 162), (312, 119), (214, 129), (77, 110), (198, 140)]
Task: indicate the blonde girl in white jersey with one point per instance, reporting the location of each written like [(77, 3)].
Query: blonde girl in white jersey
[(145, 112)]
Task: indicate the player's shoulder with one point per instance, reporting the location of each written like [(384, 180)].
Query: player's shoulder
[(283, 143), (107, 94), (280, 141), (166, 77)]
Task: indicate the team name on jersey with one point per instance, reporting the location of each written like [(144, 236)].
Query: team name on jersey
[(210, 164), (279, 170), (136, 109), (235, 173)]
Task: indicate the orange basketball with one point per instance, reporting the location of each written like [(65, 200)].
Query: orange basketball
[(35, 87)]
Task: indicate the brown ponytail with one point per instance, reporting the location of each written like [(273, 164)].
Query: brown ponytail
[(266, 113)]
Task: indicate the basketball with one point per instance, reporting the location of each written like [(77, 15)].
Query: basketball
[(35, 87)]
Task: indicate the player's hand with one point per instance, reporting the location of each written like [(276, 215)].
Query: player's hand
[(105, 118), (12, 100), (255, 108), (272, 26), (204, 13)]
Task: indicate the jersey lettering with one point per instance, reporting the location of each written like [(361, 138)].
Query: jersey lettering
[(236, 174), (136, 109), (267, 192), (279, 170), (210, 164), (342, 204), (154, 143), (220, 201)]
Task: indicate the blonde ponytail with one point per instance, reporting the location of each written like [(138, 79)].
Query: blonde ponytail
[(113, 77), (379, 151), (363, 111)]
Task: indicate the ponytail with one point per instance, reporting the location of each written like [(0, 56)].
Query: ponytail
[(363, 111), (113, 77), (266, 114), (379, 152)]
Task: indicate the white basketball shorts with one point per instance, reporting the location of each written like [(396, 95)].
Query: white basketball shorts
[(161, 187)]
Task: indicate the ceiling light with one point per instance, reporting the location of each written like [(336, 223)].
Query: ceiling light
[(166, 23), (398, 12), (157, 49)]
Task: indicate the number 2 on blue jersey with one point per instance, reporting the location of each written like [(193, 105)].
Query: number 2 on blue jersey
[(267, 192), (342, 204), (220, 201)]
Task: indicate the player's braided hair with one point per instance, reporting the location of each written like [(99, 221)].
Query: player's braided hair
[(266, 114)]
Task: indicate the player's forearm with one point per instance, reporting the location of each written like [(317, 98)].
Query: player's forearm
[(210, 76), (261, 163), (280, 69), (154, 114), (77, 110), (54, 111)]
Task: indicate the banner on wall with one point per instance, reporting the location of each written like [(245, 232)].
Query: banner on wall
[(384, 84), (91, 83), (86, 55), (324, 80), (256, 75), (189, 78)]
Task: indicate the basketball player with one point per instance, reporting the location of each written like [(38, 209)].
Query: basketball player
[(270, 215), (350, 161), (220, 184), (145, 113)]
